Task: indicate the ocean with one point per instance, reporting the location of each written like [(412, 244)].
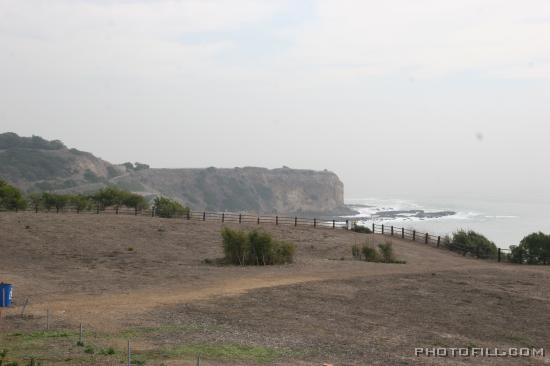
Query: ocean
[(504, 223)]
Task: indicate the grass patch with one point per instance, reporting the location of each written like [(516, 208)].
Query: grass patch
[(218, 352)]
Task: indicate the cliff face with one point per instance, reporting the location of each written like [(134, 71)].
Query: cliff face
[(244, 189), (35, 164)]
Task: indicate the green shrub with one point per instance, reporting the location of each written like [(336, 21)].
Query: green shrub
[(369, 253), (356, 252), (473, 243), (283, 252), (108, 351), (386, 252), (167, 208), (361, 229), (235, 245), (89, 349), (533, 249), (255, 247), (11, 197)]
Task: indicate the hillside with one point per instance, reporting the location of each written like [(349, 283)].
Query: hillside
[(325, 307), (35, 164)]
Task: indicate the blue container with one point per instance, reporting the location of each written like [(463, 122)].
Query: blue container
[(5, 295)]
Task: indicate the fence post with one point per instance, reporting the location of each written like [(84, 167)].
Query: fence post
[(81, 335), (240, 218), (438, 241), (427, 237), (276, 220), (373, 228), (135, 211), (97, 209), (204, 216), (402, 233), (129, 354), (295, 221), (414, 235), (382, 229), (333, 224), (199, 360), (258, 221), (392, 230), (223, 216), (47, 319), (314, 222), (188, 214), (116, 211), (499, 255)]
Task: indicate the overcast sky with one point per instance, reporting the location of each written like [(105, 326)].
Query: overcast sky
[(399, 98)]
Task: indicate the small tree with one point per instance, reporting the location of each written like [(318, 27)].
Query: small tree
[(11, 197), (166, 207), (533, 249), (80, 202), (135, 201), (473, 243)]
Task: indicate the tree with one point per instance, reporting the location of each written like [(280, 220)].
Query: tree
[(533, 249), (135, 201), (79, 201), (109, 196), (473, 243), (11, 197), (166, 207)]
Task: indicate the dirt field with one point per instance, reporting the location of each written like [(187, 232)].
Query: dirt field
[(145, 279)]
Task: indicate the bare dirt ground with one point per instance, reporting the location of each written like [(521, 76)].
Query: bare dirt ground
[(144, 279)]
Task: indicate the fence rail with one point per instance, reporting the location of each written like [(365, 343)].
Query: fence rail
[(243, 218), (430, 239), (223, 217)]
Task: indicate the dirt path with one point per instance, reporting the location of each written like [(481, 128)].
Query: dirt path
[(80, 267)]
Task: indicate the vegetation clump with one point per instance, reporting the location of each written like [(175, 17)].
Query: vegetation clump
[(472, 243), (533, 249), (368, 253), (167, 208), (361, 229), (11, 198), (255, 247)]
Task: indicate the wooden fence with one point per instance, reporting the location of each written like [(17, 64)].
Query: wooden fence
[(243, 218), (429, 239)]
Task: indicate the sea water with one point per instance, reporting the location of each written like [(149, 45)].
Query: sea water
[(503, 222)]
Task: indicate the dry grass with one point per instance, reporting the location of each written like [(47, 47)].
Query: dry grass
[(321, 308)]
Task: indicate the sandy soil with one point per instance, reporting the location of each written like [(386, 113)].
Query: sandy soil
[(115, 273)]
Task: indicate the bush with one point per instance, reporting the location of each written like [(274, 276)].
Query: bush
[(361, 229), (235, 245), (167, 208), (369, 253), (473, 243), (255, 248), (386, 252), (356, 252), (11, 197), (533, 249)]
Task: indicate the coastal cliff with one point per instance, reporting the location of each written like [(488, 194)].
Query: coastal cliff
[(36, 164)]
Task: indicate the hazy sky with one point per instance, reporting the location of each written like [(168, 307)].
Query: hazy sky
[(398, 97)]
